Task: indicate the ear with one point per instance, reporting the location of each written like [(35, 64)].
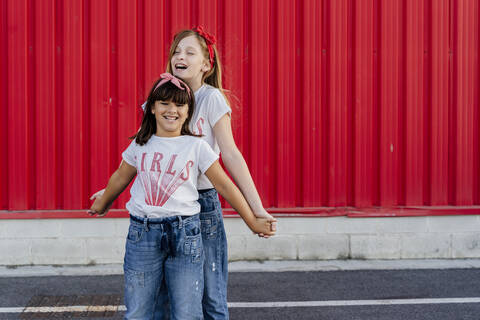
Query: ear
[(206, 66)]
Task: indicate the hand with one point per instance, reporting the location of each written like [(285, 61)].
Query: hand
[(98, 208), (262, 213), (262, 226), (97, 196)]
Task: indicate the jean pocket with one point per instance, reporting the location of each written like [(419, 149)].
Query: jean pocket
[(193, 246), (206, 204), (209, 224), (134, 234)]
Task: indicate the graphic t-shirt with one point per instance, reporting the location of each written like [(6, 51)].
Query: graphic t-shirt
[(167, 175), (210, 106)]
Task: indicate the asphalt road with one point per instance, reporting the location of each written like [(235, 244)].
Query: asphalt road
[(380, 291)]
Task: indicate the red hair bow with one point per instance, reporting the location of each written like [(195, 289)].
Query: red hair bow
[(209, 39)]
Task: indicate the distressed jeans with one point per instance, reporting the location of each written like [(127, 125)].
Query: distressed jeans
[(216, 256), (164, 257), (216, 262)]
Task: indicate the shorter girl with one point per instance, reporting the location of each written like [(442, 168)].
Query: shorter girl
[(164, 241)]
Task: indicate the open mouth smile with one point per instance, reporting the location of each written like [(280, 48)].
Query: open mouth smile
[(180, 66)]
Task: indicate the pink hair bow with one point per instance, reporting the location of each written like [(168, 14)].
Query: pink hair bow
[(209, 39), (168, 77)]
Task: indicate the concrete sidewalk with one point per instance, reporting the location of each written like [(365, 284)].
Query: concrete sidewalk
[(254, 266)]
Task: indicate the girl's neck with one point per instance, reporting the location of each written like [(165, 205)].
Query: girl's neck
[(167, 134), (195, 84)]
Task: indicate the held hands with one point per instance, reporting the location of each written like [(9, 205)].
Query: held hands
[(263, 226), (262, 213)]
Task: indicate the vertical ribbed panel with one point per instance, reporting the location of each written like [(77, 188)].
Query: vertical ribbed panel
[(335, 103), (466, 98), (440, 97), (363, 91), (312, 69), (261, 105), (391, 53), (415, 106), (4, 88)]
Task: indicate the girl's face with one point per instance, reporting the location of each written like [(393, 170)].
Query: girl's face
[(188, 62), (170, 117)]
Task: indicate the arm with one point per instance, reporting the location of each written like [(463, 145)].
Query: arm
[(237, 167), (117, 183), (230, 192)]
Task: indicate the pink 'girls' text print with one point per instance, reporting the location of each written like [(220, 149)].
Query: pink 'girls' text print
[(160, 184)]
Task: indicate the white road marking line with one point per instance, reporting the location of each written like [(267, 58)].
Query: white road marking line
[(62, 309), (278, 304), (342, 303)]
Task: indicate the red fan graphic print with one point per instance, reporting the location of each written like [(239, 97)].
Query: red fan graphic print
[(159, 185)]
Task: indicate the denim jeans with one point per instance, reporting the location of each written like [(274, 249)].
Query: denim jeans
[(216, 262), (216, 256), (164, 257)]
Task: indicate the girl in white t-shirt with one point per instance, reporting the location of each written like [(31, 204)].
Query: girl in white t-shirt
[(194, 58), (164, 251)]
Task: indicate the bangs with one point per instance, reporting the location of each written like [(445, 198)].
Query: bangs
[(170, 92)]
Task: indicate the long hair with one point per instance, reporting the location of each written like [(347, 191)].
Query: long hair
[(166, 92), (212, 77)]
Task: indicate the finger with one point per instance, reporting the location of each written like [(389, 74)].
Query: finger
[(273, 226), (270, 232)]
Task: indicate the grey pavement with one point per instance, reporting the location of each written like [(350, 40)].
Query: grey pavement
[(278, 282)]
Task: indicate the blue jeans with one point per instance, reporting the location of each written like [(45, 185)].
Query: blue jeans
[(216, 256), (164, 257), (216, 262)]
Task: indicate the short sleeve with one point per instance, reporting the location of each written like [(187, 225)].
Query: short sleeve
[(217, 107), (129, 154), (206, 156)]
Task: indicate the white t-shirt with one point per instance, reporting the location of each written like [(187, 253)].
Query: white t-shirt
[(210, 106), (167, 175)]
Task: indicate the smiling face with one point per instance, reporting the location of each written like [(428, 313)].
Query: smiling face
[(189, 62), (170, 117)]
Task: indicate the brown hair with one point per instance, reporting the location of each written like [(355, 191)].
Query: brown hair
[(166, 92), (212, 77)]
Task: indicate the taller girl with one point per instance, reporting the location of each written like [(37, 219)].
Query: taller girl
[(194, 58)]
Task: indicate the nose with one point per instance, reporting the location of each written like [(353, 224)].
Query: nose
[(172, 107)]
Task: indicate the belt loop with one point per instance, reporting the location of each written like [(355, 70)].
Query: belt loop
[(145, 223), (180, 222)]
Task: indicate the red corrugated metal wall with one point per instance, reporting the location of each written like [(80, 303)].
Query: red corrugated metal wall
[(342, 103)]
